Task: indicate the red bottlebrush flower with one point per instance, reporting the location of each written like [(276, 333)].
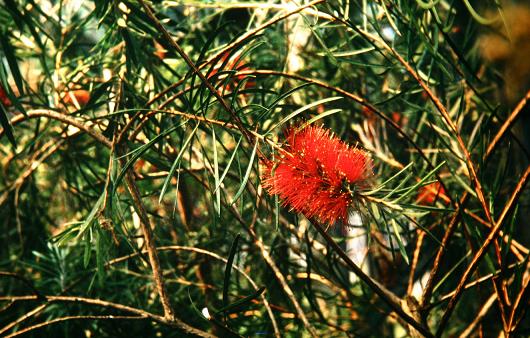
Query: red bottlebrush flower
[(82, 97), (233, 63), (160, 51), (429, 193), (3, 97), (318, 175)]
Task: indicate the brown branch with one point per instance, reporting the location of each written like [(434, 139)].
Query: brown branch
[(521, 295), (68, 318), (98, 302), (216, 256), (478, 281), (429, 287), (482, 251), (63, 118), (506, 126), (480, 315), (24, 317), (517, 248), (149, 241), (386, 295), (195, 70), (415, 259), (218, 55)]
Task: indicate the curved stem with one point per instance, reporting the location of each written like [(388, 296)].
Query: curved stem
[(63, 118), (120, 307), (68, 318)]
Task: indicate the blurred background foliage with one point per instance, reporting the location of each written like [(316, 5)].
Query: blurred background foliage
[(182, 100)]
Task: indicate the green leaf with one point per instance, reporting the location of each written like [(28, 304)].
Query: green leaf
[(176, 162), (195, 308), (420, 182), (12, 61), (216, 174), (280, 98), (6, 125), (382, 185), (88, 249), (241, 304), (90, 218), (303, 109), (401, 245), (136, 153), (320, 116), (228, 269), (247, 174), (100, 256), (227, 168)]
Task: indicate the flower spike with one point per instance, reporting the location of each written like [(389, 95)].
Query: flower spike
[(318, 174)]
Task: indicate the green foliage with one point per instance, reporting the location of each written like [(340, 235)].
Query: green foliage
[(117, 117)]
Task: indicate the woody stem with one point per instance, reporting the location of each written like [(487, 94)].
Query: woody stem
[(386, 295)]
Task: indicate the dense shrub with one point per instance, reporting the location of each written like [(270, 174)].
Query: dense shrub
[(135, 137)]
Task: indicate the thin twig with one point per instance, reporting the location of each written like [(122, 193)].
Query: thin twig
[(479, 281), (216, 256), (197, 68), (415, 259), (483, 311), (63, 118), (482, 251), (150, 243), (519, 299), (386, 295), (98, 302), (507, 125), (68, 318), (24, 317), (427, 293), (281, 279), (517, 248)]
